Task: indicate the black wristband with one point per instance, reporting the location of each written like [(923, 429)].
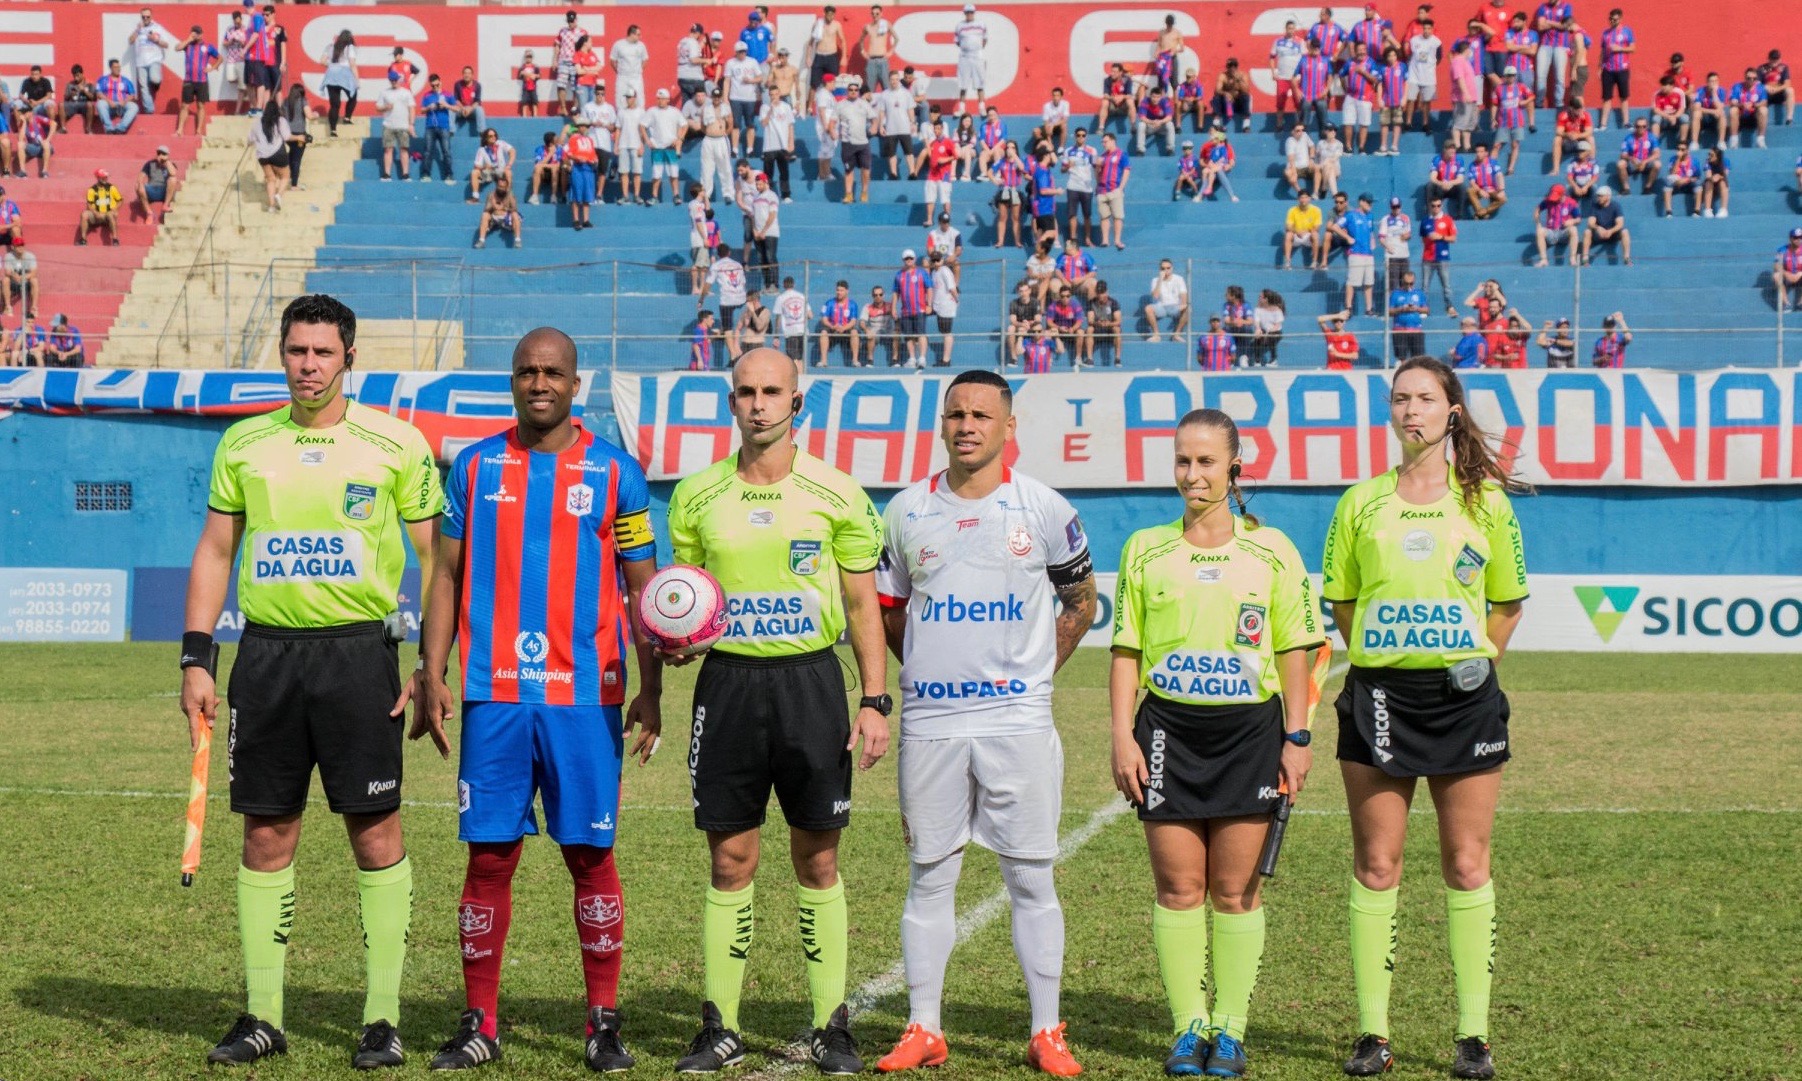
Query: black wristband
[(196, 650)]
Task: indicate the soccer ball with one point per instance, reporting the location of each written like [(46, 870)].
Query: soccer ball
[(683, 610)]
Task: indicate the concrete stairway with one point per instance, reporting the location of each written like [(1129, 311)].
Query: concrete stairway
[(205, 286)]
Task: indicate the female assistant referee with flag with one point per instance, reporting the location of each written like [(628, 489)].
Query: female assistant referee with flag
[(1214, 615), (1426, 575)]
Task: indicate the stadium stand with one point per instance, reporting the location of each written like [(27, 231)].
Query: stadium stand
[(89, 284), (1698, 294)]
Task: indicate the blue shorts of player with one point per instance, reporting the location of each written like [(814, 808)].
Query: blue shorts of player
[(581, 183), (510, 751)]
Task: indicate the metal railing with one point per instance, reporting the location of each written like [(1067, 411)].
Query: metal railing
[(205, 262), (451, 303)]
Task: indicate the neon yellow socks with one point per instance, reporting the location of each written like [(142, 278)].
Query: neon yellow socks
[(825, 934), (1470, 925), (1238, 952), (726, 927), (1373, 954), (1180, 937), (385, 903), (265, 920)]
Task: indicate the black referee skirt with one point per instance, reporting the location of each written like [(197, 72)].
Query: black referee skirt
[(1209, 761), (1410, 722)]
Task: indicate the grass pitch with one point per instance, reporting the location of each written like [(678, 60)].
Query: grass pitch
[(1646, 863)]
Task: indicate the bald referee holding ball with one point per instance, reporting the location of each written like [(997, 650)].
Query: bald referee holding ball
[(317, 494)]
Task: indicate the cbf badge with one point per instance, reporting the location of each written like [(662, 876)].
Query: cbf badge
[(359, 501), (1467, 566), (804, 556), (579, 500), (1250, 629)]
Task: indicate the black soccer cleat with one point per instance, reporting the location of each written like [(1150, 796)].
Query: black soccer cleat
[(604, 1052), (469, 1048), (1370, 1056), (248, 1040), (714, 1048), (833, 1049), (378, 1046), (1470, 1058)]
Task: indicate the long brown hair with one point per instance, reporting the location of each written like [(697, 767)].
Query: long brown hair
[(1474, 461), (1219, 421)]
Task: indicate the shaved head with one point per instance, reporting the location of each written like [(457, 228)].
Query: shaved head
[(547, 345), (765, 397), (763, 365)]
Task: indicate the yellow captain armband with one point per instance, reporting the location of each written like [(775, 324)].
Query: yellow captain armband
[(633, 530)]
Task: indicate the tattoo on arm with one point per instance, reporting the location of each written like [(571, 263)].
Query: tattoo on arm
[(1075, 617)]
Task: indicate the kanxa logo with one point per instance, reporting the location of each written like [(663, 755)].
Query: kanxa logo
[(1606, 606)]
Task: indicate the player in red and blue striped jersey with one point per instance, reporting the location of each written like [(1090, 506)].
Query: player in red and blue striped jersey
[(1216, 351), (542, 524)]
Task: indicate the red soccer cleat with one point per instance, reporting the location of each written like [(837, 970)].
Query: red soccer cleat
[(917, 1047), (1049, 1052)]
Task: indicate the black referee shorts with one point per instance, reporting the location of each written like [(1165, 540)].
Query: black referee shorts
[(763, 723), (305, 698)]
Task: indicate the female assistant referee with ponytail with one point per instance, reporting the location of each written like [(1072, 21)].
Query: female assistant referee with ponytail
[(1426, 575), (1214, 617)]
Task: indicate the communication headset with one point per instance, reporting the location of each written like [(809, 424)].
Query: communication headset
[(1232, 471)]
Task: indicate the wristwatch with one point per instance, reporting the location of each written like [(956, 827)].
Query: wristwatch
[(1301, 738), (881, 703)]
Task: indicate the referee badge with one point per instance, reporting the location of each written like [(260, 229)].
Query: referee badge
[(804, 556), (1468, 565), (359, 501), (1249, 631)]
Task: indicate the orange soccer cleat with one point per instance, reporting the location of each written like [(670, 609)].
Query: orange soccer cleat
[(917, 1047), (1049, 1052)]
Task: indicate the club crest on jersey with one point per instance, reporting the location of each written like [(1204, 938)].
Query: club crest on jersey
[(475, 920), (1019, 542), (804, 557), (601, 910), (1249, 630), (1467, 566), (359, 501), (579, 500), (531, 647)]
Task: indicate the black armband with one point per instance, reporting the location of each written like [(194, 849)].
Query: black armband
[(198, 650), (1072, 573)]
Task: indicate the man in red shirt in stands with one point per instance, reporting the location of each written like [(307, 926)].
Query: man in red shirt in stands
[(1574, 127), (1341, 344)]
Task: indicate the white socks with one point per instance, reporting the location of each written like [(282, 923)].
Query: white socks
[(928, 931), (1038, 934)]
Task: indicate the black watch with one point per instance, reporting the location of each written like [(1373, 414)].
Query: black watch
[(881, 703), (1301, 738)]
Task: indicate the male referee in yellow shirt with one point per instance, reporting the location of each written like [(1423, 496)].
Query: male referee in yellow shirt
[(316, 494)]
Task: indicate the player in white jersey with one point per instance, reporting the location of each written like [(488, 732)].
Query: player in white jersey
[(976, 558), (972, 71), (791, 320)]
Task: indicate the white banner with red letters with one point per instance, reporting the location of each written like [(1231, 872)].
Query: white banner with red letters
[(1113, 430)]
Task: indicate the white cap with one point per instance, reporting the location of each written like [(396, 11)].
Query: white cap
[(909, 254), (968, 8)]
